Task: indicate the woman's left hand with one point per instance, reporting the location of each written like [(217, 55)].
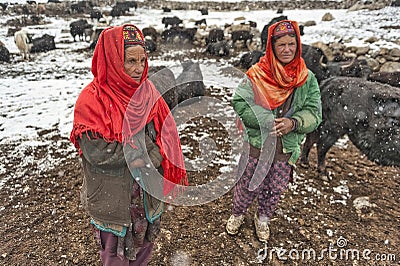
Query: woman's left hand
[(282, 126)]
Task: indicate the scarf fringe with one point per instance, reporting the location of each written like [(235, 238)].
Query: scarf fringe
[(79, 129)]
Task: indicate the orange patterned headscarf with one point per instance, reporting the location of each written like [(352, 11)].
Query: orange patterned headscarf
[(272, 81)]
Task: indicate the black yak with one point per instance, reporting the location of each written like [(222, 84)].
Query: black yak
[(368, 112)]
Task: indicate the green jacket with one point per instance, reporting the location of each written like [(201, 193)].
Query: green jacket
[(306, 109)]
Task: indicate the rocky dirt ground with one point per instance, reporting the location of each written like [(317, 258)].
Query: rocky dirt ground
[(42, 222)]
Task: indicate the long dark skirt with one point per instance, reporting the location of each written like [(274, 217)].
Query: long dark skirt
[(136, 247), (108, 252)]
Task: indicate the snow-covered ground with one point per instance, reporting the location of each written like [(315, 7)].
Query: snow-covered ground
[(43, 101)]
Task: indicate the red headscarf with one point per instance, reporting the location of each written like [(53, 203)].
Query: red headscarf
[(105, 103), (272, 81)]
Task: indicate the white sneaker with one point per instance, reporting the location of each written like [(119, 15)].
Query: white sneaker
[(262, 229), (234, 223)]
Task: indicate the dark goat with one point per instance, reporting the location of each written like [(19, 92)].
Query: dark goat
[(187, 86), (242, 35), (150, 44), (200, 22), (204, 11), (354, 68), (368, 112), (4, 53), (220, 48), (77, 28), (317, 62), (164, 81), (313, 58), (4, 6), (395, 3), (171, 21), (189, 83), (43, 44), (252, 24), (151, 32), (250, 58), (132, 4), (215, 35), (95, 14), (181, 35), (81, 7), (121, 8), (95, 37)]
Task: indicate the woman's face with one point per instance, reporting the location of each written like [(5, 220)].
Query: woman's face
[(135, 61), (285, 48)]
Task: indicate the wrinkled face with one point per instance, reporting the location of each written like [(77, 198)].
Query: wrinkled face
[(285, 48), (135, 61)]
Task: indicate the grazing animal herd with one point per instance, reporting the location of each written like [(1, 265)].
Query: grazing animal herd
[(356, 102)]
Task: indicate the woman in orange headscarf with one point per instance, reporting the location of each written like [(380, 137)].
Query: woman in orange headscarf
[(110, 114), (278, 103)]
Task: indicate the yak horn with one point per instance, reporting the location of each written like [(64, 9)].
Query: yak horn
[(321, 63), (349, 64)]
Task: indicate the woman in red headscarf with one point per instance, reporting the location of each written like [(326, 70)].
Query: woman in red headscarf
[(121, 126), (278, 103)]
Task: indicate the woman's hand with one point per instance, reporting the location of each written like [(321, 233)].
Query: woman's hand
[(282, 126)]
